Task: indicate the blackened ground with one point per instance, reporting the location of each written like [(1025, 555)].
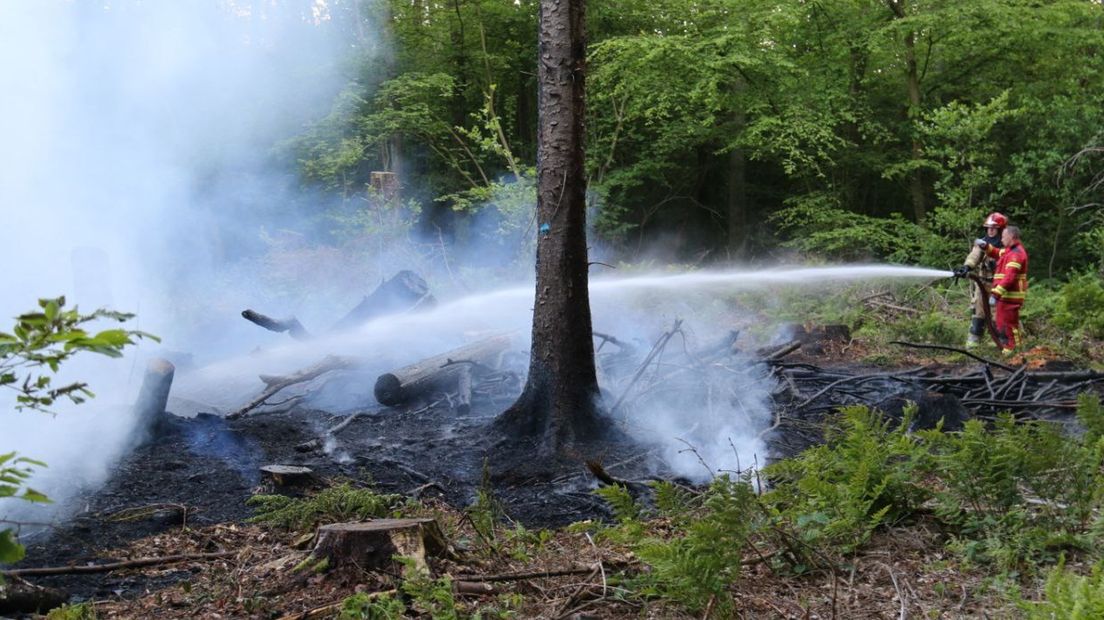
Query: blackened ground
[(201, 470)]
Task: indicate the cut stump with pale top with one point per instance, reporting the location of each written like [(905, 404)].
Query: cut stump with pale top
[(373, 544)]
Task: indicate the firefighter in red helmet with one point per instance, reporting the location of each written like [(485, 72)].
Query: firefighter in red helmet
[(1009, 286), (978, 261)]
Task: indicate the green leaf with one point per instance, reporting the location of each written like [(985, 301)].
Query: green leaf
[(32, 495), (10, 550)]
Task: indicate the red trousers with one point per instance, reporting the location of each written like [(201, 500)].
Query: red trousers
[(1007, 318)]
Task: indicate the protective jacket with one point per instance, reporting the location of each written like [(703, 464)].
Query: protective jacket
[(977, 260), (1010, 279)]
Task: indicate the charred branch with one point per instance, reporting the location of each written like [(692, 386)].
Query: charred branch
[(275, 384), (113, 566)]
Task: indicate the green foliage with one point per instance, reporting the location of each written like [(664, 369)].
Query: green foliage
[(625, 508), (987, 477), (41, 341), (335, 504), (817, 224), (701, 561), (1081, 306), (932, 327), (486, 512), (1070, 596), (80, 611), (699, 555), (364, 606), (432, 597), (863, 477)]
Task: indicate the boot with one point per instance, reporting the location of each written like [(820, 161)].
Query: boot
[(977, 326)]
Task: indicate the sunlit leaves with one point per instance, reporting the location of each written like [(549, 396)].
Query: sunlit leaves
[(41, 341)]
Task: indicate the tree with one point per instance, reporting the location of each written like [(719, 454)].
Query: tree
[(34, 350), (560, 401)]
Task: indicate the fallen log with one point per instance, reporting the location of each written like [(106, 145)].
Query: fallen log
[(437, 373), (404, 292), (278, 383), (112, 566), (20, 597), (542, 574)]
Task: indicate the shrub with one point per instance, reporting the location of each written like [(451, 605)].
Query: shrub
[(1081, 306)]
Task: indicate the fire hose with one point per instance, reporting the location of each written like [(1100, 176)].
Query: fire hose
[(984, 292)]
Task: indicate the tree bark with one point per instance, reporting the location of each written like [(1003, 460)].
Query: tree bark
[(374, 544), (559, 402)]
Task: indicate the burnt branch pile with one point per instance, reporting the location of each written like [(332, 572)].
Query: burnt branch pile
[(806, 394)]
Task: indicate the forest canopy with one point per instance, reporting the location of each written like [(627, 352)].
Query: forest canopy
[(745, 129)]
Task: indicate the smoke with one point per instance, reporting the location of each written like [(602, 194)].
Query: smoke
[(136, 172), (136, 166)]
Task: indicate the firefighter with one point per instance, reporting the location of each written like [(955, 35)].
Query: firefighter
[(1009, 286), (976, 259)]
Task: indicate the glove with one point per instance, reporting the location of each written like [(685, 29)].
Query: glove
[(961, 271), (992, 300), (981, 243)]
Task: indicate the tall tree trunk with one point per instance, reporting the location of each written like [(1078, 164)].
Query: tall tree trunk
[(737, 203), (916, 182), (559, 402), (912, 76), (737, 186)]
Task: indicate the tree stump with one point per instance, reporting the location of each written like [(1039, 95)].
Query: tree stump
[(153, 396), (288, 475), (372, 545)]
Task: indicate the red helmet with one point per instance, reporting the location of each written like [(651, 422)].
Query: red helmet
[(996, 219)]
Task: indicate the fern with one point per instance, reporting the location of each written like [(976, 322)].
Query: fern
[(1070, 596), (625, 508), (838, 493), (335, 504)]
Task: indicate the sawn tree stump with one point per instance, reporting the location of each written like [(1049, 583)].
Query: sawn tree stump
[(373, 544)]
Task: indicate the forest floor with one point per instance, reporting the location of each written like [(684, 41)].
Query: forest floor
[(185, 491)]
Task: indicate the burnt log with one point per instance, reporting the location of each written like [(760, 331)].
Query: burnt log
[(20, 597), (437, 373), (464, 390), (290, 325), (404, 292), (153, 396), (374, 544)]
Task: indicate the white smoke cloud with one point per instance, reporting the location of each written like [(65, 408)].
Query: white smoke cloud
[(133, 165)]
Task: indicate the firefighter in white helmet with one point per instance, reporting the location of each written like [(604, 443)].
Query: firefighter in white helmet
[(977, 261)]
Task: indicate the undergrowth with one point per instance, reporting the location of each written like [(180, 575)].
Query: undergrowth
[(1012, 498), (335, 504)]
